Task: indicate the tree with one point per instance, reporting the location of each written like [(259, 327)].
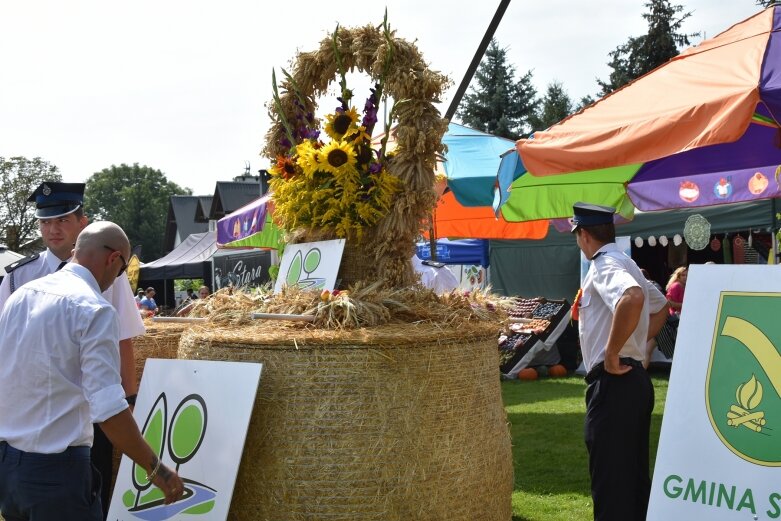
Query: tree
[(19, 177), (499, 104), (136, 198), (555, 106), (642, 54)]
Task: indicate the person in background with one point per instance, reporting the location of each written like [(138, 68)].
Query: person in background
[(203, 293), (60, 213), (651, 344), (676, 286), (148, 306), (139, 296), (619, 310), (59, 345), (190, 295), (434, 275)]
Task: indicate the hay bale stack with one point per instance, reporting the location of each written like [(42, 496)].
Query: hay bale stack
[(161, 340), (396, 422)]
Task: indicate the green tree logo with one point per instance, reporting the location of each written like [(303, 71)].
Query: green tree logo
[(743, 385), (182, 437), (301, 269)]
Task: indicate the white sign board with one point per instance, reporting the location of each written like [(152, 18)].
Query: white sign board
[(310, 265), (194, 414), (719, 455)]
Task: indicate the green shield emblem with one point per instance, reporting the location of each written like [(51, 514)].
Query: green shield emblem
[(743, 385)]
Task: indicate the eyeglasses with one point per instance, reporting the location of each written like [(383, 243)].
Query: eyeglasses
[(124, 262)]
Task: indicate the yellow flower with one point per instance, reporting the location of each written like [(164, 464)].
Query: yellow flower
[(337, 157), (309, 158), (342, 124)]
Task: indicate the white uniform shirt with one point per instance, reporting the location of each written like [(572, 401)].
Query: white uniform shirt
[(60, 362), (441, 280), (120, 294), (611, 273)]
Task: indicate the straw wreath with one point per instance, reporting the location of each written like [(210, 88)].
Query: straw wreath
[(398, 67)]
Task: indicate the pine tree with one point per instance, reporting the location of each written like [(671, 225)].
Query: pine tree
[(555, 106), (499, 104), (640, 55)]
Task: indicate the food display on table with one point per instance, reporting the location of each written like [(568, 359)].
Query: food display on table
[(532, 320)]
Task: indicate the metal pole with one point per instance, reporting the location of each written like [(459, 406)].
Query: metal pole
[(489, 34), (470, 72)]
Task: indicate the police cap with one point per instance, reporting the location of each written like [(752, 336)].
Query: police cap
[(586, 214), (57, 199)]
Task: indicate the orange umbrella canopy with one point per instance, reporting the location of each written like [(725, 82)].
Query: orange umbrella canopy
[(699, 130), (452, 219), (704, 96)]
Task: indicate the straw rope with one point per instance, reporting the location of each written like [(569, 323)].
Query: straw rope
[(386, 423)]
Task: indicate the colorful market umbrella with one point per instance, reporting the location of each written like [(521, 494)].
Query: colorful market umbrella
[(700, 130), (465, 207), (452, 219), (251, 226)]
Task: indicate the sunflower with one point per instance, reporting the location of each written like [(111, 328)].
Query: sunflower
[(309, 158), (285, 168), (343, 123), (337, 157)]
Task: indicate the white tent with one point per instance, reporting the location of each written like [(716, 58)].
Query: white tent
[(7, 257)]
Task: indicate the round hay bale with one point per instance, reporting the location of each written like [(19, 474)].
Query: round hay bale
[(161, 340), (396, 422)]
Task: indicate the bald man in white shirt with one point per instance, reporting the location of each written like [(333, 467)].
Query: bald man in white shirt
[(60, 374)]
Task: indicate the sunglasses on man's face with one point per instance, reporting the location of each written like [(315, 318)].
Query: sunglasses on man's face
[(124, 262)]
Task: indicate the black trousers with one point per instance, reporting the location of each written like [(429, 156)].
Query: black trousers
[(102, 455), (48, 487), (617, 428)]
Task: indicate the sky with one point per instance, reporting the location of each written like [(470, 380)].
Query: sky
[(181, 86)]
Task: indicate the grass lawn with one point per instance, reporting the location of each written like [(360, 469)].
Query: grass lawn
[(549, 455)]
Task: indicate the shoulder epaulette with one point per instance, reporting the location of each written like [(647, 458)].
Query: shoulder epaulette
[(21, 262)]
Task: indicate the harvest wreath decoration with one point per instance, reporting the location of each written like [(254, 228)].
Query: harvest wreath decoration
[(350, 187)]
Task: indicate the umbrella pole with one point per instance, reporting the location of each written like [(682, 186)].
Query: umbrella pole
[(489, 34)]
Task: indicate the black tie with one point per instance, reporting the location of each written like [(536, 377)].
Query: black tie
[(63, 263)]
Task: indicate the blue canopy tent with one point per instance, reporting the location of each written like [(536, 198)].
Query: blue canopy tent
[(463, 251)]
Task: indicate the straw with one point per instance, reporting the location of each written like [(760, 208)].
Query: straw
[(401, 421)]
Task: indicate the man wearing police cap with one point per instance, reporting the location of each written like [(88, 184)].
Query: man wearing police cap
[(60, 213), (619, 310)]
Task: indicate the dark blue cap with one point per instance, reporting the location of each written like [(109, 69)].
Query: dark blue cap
[(57, 199), (586, 214)]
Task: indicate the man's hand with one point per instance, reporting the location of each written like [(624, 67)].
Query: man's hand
[(169, 482), (614, 366)]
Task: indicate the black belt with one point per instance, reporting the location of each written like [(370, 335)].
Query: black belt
[(598, 369), (7, 450)]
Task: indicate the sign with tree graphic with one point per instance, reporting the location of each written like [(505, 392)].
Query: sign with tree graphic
[(719, 454), (310, 265), (194, 415)]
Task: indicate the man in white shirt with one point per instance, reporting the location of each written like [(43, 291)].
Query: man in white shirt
[(60, 218), (434, 275), (60, 374), (619, 310)]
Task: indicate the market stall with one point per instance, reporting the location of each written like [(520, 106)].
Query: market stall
[(530, 339)]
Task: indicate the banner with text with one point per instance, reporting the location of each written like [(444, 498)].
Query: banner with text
[(719, 455)]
